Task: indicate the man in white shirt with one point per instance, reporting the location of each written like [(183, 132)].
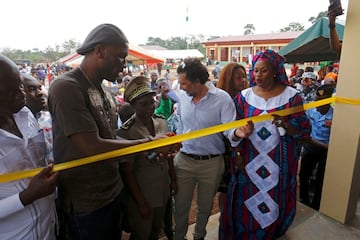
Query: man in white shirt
[(36, 101), (27, 209), (200, 161)]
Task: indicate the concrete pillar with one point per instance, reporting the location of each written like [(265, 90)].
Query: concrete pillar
[(219, 54), (241, 53), (229, 54), (342, 176)]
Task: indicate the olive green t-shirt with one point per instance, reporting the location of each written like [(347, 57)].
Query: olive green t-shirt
[(76, 106)]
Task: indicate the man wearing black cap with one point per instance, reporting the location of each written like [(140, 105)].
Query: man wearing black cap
[(84, 124), (315, 152)]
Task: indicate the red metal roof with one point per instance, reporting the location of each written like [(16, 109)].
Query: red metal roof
[(68, 57), (256, 38)]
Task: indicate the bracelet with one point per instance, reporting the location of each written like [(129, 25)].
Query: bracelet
[(332, 26)]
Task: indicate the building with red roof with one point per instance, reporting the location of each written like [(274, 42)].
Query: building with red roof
[(242, 48)]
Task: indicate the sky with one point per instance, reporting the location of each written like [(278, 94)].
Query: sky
[(41, 23)]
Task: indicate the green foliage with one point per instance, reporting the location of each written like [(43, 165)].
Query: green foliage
[(178, 43), (320, 15), (293, 27), (212, 37), (156, 41), (70, 45), (48, 55), (249, 29)]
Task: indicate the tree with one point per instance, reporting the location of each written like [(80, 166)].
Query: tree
[(10, 53), (293, 27), (49, 55), (70, 45), (249, 29), (320, 15), (175, 43), (156, 41), (178, 43), (212, 37), (195, 42)]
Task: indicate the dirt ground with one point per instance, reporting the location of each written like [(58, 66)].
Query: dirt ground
[(192, 214)]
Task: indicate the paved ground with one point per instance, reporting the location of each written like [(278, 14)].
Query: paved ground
[(308, 225)]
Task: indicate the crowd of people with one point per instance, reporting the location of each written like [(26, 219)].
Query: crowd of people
[(44, 73), (254, 166)]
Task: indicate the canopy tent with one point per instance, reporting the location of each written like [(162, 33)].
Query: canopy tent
[(136, 55), (75, 61), (139, 55), (68, 57), (313, 44)]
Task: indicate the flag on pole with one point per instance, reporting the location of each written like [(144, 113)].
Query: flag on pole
[(187, 14)]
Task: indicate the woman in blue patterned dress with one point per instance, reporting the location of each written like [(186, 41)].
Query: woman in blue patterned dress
[(261, 198)]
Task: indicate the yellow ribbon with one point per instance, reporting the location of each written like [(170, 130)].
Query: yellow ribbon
[(175, 139)]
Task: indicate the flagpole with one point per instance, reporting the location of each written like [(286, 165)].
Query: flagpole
[(187, 25)]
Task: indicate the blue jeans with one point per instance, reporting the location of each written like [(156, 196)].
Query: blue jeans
[(102, 224)]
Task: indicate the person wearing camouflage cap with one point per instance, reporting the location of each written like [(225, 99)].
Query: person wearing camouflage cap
[(149, 178)]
